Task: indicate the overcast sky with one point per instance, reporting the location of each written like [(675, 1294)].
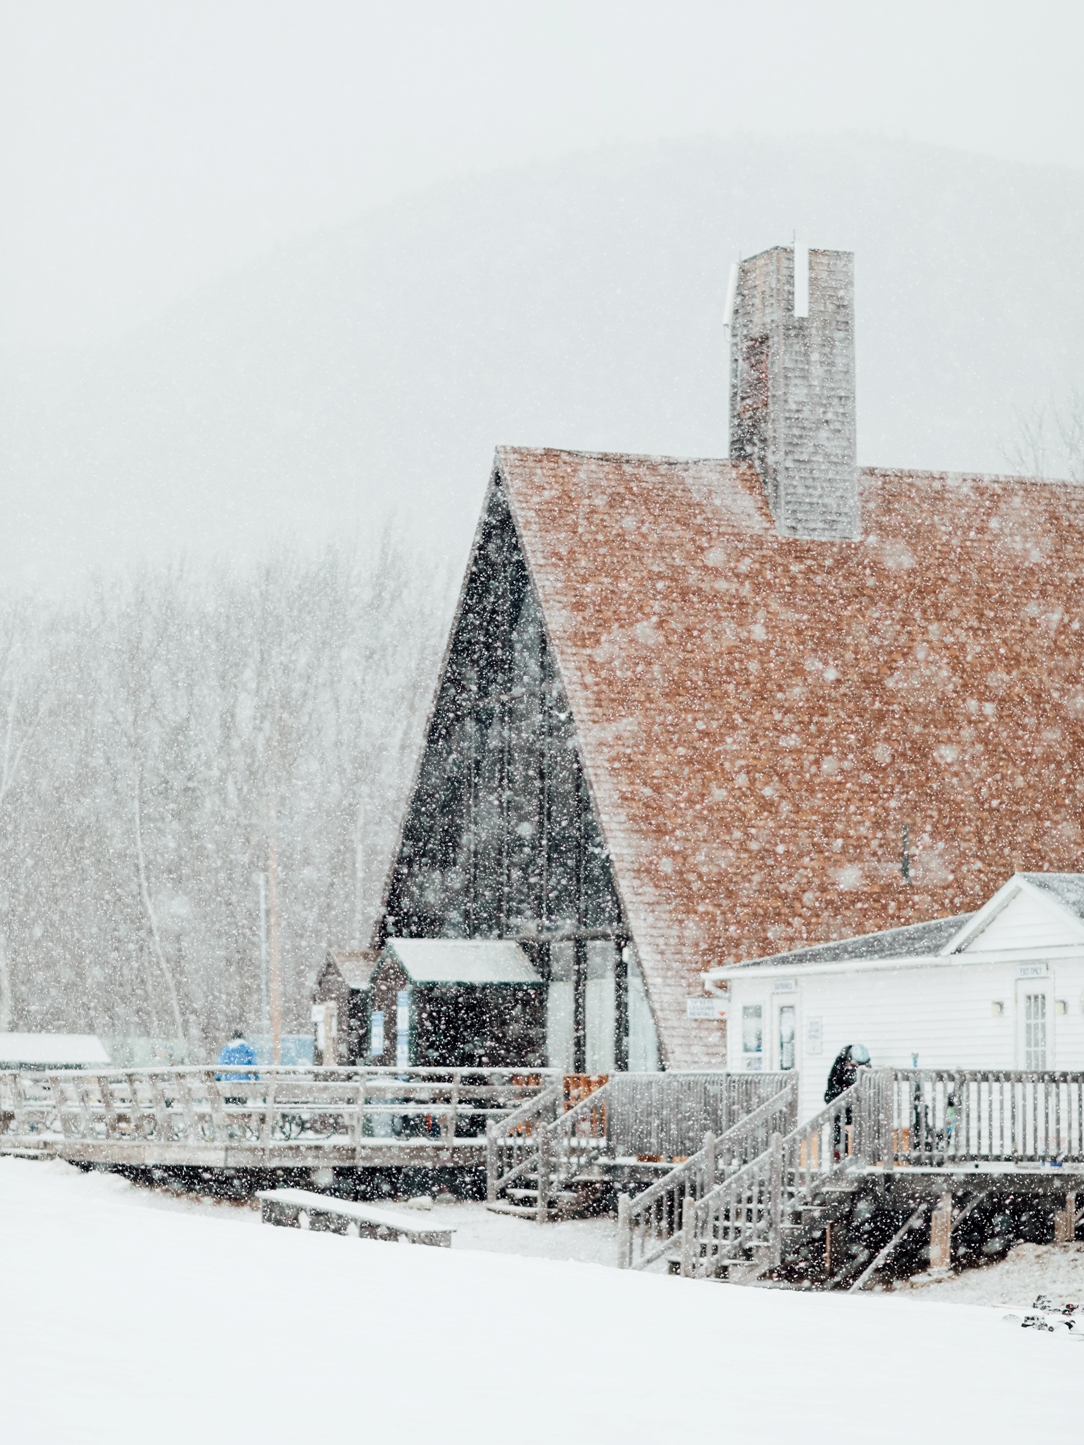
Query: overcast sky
[(146, 147)]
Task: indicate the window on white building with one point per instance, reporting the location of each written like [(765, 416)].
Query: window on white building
[(1035, 1031), (752, 1035), (786, 1036)]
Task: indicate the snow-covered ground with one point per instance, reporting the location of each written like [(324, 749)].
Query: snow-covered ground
[(1054, 1270), (127, 1316)]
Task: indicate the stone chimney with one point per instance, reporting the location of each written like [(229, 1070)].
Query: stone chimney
[(792, 400)]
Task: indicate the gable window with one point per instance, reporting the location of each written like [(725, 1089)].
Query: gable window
[(752, 1036)]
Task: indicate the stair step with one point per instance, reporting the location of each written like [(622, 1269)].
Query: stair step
[(556, 1196), (524, 1211)]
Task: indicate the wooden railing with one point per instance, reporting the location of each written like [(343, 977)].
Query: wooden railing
[(944, 1116), (512, 1141), (891, 1118), (647, 1222), (742, 1220), (259, 1106), (633, 1116)]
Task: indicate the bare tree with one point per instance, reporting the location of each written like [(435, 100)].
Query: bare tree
[(1049, 440), (148, 730)]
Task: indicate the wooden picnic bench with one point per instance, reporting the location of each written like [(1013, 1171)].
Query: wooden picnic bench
[(304, 1209)]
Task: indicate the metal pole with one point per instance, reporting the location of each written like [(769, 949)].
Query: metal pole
[(265, 1016), (273, 918)]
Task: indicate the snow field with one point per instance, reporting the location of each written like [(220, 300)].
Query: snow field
[(130, 1317)]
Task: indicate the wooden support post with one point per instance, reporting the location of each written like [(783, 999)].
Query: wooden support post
[(162, 1129), (709, 1162), (218, 1112), (1065, 1222), (543, 1202), (624, 1232), (775, 1203), (453, 1114), (359, 1116), (267, 1123), (109, 1110), (941, 1234), (491, 1161), (688, 1232)]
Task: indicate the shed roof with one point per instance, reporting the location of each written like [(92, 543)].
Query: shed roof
[(760, 716), (462, 960), (355, 967), (47, 1051)]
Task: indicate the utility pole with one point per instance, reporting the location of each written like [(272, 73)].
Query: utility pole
[(273, 921), (265, 1016)]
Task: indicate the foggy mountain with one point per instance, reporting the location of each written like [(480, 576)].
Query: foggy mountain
[(372, 369)]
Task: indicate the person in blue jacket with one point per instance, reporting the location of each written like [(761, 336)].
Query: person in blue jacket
[(237, 1051)]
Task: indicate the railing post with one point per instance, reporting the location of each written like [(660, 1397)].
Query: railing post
[(542, 1207), (491, 1161), (887, 1099), (688, 1230), (775, 1202), (709, 1162), (624, 1232)]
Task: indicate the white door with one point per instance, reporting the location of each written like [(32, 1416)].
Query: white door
[(1034, 1024)]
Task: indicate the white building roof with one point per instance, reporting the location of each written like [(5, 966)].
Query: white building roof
[(462, 960), (51, 1051)]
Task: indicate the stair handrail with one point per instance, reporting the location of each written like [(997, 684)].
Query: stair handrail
[(563, 1159), (516, 1134), (657, 1208), (752, 1206)]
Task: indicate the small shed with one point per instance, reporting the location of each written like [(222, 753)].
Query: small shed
[(1002, 988), (51, 1051), (343, 984), (456, 1003)]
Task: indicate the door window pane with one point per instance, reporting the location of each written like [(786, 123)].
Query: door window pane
[(1035, 1031), (752, 1029), (786, 1036)]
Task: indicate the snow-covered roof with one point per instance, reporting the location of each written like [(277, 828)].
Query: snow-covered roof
[(916, 940), (51, 1051), (966, 937), (462, 960), (355, 968), (1067, 888)]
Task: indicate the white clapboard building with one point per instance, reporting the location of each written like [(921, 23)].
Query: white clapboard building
[(1002, 988)]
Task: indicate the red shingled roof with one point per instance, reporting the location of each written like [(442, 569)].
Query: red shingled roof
[(760, 717)]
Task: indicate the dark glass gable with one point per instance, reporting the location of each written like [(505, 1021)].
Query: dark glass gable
[(501, 839)]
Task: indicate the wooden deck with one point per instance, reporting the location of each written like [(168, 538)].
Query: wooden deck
[(261, 1119), (829, 1202)]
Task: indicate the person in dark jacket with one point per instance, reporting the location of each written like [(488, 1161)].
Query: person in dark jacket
[(844, 1071), (843, 1074)]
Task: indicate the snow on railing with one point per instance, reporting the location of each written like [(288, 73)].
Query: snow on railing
[(258, 1106), (647, 1222)]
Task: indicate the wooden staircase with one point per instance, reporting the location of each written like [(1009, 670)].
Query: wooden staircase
[(555, 1148), (560, 1156), (768, 1212)]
